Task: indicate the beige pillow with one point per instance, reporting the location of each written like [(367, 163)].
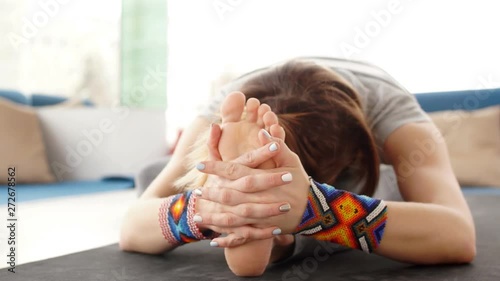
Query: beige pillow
[(473, 140), (21, 145)]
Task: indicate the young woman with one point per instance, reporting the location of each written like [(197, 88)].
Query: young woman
[(341, 119)]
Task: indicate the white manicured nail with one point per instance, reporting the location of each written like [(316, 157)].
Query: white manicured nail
[(273, 147), (197, 218), (287, 177), (266, 133), (214, 244), (200, 166), (285, 207), (277, 231), (197, 192)]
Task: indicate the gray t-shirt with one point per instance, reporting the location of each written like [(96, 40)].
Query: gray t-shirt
[(386, 104)]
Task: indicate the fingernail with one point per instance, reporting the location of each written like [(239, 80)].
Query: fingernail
[(200, 166), (285, 207), (214, 244), (197, 192), (287, 177), (197, 218), (266, 133), (277, 231), (273, 147)]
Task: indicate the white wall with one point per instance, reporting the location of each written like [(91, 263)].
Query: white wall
[(61, 47), (426, 45)]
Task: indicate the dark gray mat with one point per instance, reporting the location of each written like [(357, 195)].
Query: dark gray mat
[(201, 262)]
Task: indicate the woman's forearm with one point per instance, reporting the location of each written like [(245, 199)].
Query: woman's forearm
[(141, 230), (427, 233), (422, 233)]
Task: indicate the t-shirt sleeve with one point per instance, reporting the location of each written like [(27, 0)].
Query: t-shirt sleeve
[(387, 104), (389, 107)]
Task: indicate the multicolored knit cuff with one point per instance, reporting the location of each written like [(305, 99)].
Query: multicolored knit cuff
[(176, 220), (344, 218)]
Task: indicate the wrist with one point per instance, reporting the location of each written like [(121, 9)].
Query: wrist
[(344, 218), (176, 220)]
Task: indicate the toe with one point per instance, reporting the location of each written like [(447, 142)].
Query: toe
[(270, 119), (277, 131), (232, 107), (252, 108), (263, 109)]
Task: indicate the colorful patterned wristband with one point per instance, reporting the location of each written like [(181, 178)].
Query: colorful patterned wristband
[(344, 218), (176, 220)]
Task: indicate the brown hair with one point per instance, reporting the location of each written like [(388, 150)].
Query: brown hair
[(323, 120)]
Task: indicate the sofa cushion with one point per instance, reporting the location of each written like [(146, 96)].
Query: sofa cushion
[(90, 143), (30, 192), (21, 145), (45, 100), (473, 140), (14, 96), (459, 100)]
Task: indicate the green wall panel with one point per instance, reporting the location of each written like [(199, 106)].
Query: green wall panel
[(144, 53)]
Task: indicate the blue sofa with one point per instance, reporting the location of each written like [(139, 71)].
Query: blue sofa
[(115, 157), (461, 100), (36, 99)]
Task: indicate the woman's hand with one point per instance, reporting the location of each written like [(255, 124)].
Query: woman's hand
[(250, 200), (211, 207)]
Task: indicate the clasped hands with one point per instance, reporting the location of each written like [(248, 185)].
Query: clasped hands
[(248, 203)]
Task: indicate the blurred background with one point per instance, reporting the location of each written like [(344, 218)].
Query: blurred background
[(175, 54)]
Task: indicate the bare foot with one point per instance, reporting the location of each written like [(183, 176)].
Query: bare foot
[(241, 125), (240, 133)]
